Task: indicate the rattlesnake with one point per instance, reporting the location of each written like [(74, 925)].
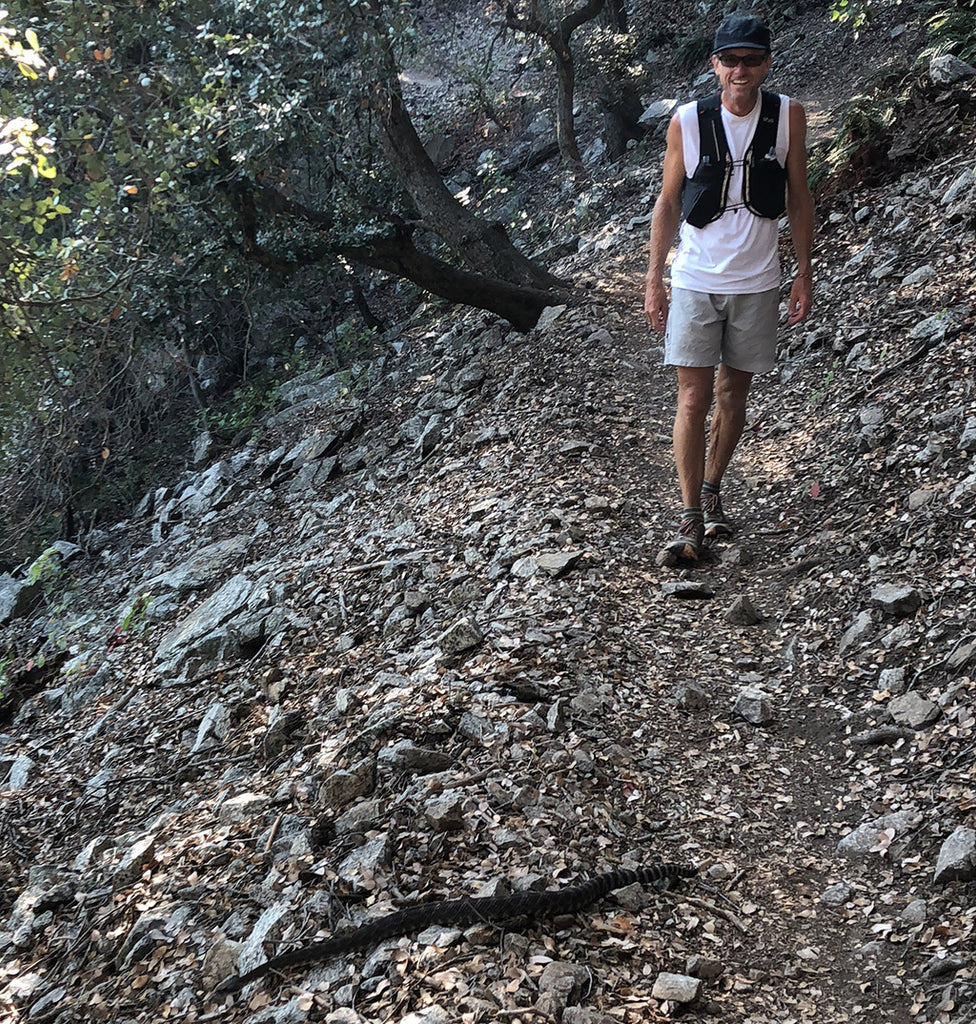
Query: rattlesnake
[(465, 911)]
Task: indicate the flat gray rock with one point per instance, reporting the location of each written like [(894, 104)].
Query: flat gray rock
[(461, 636), (20, 772), (243, 807), (202, 568), (365, 863), (705, 967), (564, 980), (957, 857), (948, 69), (406, 756), (17, 597), (558, 562), (856, 632), (874, 837), (252, 949), (188, 638), (446, 812), (340, 788), (967, 439), (836, 895), (742, 612), (893, 600), (915, 913), (754, 706), (913, 710), (676, 988)]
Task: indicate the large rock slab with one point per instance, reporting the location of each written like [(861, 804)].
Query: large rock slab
[(856, 633), (273, 919), (204, 635), (213, 489), (895, 600), (202, 568), (17, 597), (948, 69)]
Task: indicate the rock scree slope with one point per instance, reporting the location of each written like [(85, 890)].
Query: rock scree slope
[(414, 645)]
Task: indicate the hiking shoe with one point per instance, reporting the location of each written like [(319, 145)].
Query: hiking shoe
[(717, 523), (687, 543)]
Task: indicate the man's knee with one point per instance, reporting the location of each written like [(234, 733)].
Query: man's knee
[(694, 402), (732, 388), (695, 391)]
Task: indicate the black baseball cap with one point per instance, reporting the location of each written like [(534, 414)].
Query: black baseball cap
[(742, 30)]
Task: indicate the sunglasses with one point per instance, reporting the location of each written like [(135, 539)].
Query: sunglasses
[(752, 60)]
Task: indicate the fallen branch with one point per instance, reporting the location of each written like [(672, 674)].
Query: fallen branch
[(882, 735), (913, 356), (705, 905), (113, 710)]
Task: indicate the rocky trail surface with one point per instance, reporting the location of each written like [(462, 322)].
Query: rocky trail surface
[(414, 644)]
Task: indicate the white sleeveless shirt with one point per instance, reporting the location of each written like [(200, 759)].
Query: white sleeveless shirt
[(738, 253)]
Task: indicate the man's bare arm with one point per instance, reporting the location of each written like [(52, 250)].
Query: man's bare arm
[(799, 209), (664, 226)]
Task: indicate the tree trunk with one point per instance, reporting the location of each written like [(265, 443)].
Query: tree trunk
[(359, 298), (483, 246), (565, 126), (557, 37), (614, 133), (619, 101), (520, 305), (621, 109)]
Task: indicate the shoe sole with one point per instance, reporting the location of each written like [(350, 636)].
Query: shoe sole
[(687, 550)]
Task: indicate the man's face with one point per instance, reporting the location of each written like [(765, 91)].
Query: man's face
[(741, 78)]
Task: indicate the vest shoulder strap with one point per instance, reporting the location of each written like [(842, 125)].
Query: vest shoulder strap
[(713, 147), (764, 140)]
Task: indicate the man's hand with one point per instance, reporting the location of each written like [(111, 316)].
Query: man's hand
[(656, 303), (801, 300)]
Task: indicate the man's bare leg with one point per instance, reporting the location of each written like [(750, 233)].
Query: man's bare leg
[(728, 422), (695, 384)]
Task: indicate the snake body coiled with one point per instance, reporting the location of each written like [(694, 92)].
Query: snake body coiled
[(464, 911)]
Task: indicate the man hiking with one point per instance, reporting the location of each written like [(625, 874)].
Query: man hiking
[(734, 164)]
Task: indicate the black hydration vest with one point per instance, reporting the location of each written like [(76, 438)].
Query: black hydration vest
[(763, 180)]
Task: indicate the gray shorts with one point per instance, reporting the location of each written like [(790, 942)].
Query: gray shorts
[(738, 330)]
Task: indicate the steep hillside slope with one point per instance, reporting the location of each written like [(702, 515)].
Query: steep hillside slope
[(414, 644)]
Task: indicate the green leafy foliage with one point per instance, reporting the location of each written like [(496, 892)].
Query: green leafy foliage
[(859, 151), (863, 138), (243, 411), (857, 12), (950, 24), (46, 568), (136, 612), (951, 28), (168, 169)]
